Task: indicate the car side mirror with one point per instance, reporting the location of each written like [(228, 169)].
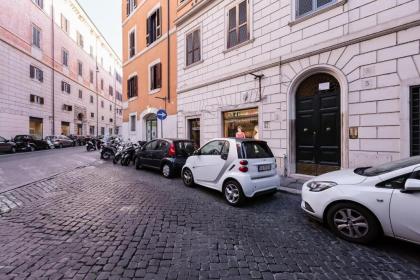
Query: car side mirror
[(224, 156), (196, 153), (411, 185)]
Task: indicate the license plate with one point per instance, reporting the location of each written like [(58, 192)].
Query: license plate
[(264, 167)]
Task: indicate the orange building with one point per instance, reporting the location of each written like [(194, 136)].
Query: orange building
[(149, 67)]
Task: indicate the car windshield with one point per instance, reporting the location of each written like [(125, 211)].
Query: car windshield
[(256, 149), (387, 167), (184, 148)]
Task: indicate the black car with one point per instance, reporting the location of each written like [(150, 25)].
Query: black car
[(30, 143), (7, 146), (166, 155)]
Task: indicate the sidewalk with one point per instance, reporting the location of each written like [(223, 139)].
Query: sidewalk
[(291, 185)]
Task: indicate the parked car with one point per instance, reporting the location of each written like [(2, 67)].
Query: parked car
[(30, 143), (166, 155), (60, 141), (7, 146), (361, 204), (239, 168)]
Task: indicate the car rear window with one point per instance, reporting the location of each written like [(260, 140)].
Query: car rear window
[(256, 149), (184, 148)]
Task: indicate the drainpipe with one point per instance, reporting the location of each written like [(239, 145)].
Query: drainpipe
[(169, 56), (53, 68), (96, 87)]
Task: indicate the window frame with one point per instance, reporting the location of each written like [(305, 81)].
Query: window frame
[(133, 125), (36, 74), (80, 68), (191, 32), (64, 51), (155, 80), (249, 10), (132, 90), (65, 24), (39, 37), (131, 6), (295, 5), (39, 3), (158, 28), (134, 49)]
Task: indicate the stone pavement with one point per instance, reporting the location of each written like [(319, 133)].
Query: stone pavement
[(111, 222)]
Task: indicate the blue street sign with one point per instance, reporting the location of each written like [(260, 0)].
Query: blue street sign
[(161, 114)]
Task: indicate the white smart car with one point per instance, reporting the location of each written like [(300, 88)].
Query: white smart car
[(240, 168), (363, 203)]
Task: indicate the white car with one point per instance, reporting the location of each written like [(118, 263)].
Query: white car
[(240, 168), (361, 204)]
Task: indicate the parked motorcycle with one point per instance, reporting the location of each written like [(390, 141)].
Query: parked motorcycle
[(109, 150), (128, 154), (91, 145)]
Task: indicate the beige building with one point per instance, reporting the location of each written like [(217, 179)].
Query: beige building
[(58, 75)]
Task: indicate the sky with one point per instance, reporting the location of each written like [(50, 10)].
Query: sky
[(107, 19)]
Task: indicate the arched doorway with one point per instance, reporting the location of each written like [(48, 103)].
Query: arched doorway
[(318, 129), (151, 126)]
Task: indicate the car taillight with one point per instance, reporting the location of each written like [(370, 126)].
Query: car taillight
[(171, 152), (243, 167)]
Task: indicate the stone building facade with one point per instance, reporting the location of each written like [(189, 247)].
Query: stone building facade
[(329, 84), (58, 75)]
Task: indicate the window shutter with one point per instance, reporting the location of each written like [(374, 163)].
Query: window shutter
[(135, 4), (148, 30), (32, 98), (135, 86), (128, 7), (196, 46), (129, 88), (68, 88), (41, 75), (32, 71), (158, 23), (41, 101), (62, 86), (159, 75)]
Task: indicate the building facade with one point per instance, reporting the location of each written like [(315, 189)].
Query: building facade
[(149, 68), (329, 84), (58, 75)]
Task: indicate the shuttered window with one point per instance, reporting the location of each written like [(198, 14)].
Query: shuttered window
[(156, 76), (36, 99), (65, 57), (36, 73), (304, 7), (415, 121), (65, 87), (36, 36), (132, 87), (153, 27), (238, 24), (132, 44), (131, 6), (193, 50)]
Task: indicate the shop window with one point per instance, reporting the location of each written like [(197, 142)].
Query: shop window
[(151, 127), (193, 50), (156, 76), (305, 7), (238, 24), (65, 128), (194, 131), (153, 27), (36, 127), (415, 121), (241, 123)]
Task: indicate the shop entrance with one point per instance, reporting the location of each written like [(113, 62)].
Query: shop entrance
[(65, 128), (151, 127), (36, 127), (241, 123), (318, 125)]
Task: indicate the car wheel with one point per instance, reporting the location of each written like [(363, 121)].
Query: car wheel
[(167, 170), (353, 223), (106, 155), (32, 148), (188, 178), (138, 164), (233, 193), (13, 150)]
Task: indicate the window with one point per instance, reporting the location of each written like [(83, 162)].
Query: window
[(102, 118), (91, 51), (415, 121), (91, 76), (111, 120), (132, 44), (102, 130), (387, 167), (36, 36), (80, 41), (65, 57), (80, 94), (39, 3), (238, 24), (133, 123), (92, 130), (212, 148), (131, 6), (118, 77), (102, 84), (110, 107), (304, 7), (91, 99), (36, 99), (36, 73), (80, 68), (111, 91), (65, 24), (132, 87), (65, 87), (153, 27), (92, 115), (193, 47), (102, 104), (67, 108), (156, 76), (256, 149)]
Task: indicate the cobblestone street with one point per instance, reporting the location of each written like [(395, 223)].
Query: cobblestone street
[(102, 221)]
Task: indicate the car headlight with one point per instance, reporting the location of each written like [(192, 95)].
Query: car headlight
[(320, 186)]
